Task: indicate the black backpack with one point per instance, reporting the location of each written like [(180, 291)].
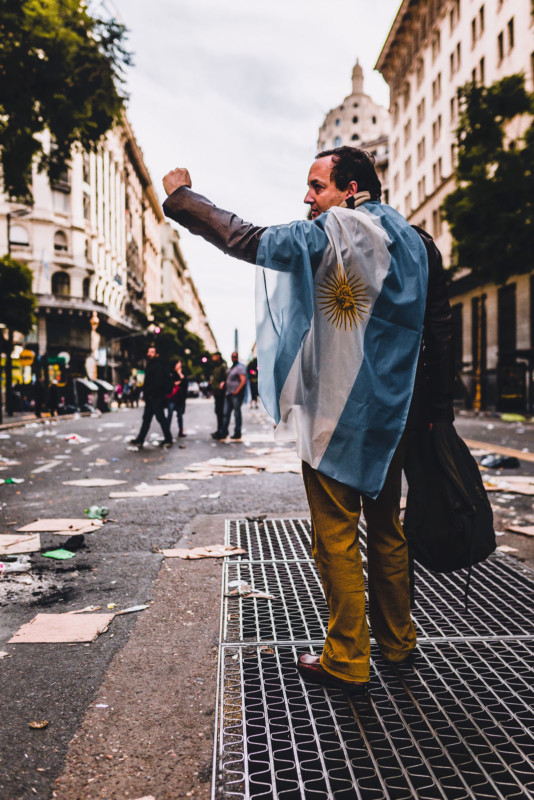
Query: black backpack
[(448, 521)]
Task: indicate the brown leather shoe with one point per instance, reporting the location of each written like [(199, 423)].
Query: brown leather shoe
[(311, 670)]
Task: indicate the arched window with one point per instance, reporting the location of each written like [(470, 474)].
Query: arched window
[(61, 244), (337, 141), (61, 284), (18, 236), (86, 288), (355, 120), (355, 137)]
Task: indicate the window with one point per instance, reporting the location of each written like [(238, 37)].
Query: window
[(395, 113), (373, 120), (61, 244), (18, 236), (355, 105), (500, 46), (86, 207), (436, 88), (408, 168), (474, 75), (478, 320), (437, 172), (453, 155), (355, 120), (355, 137), (453, 107), (436, 223), (482, 71), (511, 34), (421, 191), (396, 149), (337, 141), (473, 31), (420, 72), (421, 150), (61, 201), (406, 95), (408, 204), (337, 122), (407, 131), (436, 46), (86, 288), (421, 112), (86, 169), (458, 56), (396, 183), (481, 20), (436, 130), (60, 284)]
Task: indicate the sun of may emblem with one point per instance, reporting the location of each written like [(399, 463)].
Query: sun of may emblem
[(343, 299)]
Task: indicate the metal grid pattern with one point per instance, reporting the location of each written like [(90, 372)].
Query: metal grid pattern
[(455, 724)]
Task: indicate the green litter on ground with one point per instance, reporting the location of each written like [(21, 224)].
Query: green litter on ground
[(60, 554)]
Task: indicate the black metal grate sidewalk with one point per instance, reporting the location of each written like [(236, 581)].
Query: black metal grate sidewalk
[(456, 724)]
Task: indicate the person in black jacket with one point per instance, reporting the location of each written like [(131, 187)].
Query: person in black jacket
[(345, 177), (155, 388)]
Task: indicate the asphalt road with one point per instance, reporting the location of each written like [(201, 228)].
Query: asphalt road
[(131, 714)]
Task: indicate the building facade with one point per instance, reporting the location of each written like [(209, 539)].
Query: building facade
[(433, 48), (93, 241), (359, 122)]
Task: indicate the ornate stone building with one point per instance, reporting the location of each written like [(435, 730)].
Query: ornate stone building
[(433, 48)]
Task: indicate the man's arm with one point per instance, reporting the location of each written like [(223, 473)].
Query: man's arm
[(225, 230), (242, 381)]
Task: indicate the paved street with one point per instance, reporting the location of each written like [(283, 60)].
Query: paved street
[(131, 714)]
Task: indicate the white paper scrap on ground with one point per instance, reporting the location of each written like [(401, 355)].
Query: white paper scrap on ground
[(209, 551), (504, 548), (61, 525), (525, 530), (241, 588), (140, 493), (9, 543), (89, 482), (512, 483), (146, 797), (62, 628), (185, 476), (168, 487), (46, 467)]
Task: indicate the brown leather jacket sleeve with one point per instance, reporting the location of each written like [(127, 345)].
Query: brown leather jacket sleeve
[(436, 369), (225, 230)]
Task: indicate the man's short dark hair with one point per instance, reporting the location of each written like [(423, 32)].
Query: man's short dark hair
[(353, 164), (216, 353)]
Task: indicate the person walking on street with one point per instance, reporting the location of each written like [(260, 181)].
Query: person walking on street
[(177, 398), (53, 398), (354, 338), (155, 387), (217, 383), (236, 381)]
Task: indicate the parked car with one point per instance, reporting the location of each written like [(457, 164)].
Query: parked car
[(193, 389)]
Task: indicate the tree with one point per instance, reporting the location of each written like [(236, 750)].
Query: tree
[(491, 210), (17, 305), (173, 340), (61, 70)]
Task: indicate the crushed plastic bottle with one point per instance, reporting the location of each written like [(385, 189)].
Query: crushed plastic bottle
[(97, 512)]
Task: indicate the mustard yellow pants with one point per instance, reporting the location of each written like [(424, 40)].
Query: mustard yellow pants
[(335, 512)]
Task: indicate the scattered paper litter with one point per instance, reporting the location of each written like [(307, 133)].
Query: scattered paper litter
[(94, 482), (514, 483), (525, 530), (146, 493), (9, 543), (46, 467), (209, 551), (3, 653), (74, 438), (8, 462), (212, 496), (85, 610), (242, 589), (11, 480), (61, 525), (132, 609), (21, 563), (185, 476), (146, 797), (504, 548), (62, 628), (168, 487)]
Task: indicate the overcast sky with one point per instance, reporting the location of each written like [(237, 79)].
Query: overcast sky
[(236, 91)]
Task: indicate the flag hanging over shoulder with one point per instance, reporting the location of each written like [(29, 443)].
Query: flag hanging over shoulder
[(340, 305)]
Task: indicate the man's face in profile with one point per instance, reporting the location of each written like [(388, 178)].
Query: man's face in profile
[(235, 358), (322, 191)]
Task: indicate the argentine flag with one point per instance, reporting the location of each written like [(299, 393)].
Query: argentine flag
[(340, 304)]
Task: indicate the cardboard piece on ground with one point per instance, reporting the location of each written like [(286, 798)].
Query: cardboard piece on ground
[(88, 529), (10, 543), (62, 628), (525, 530), (144, 493), (522, 486), (168, 487), (61, 525), (89, 482), (209, 551), (185, 476)]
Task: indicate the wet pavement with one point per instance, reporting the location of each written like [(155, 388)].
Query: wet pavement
[(120, 564)]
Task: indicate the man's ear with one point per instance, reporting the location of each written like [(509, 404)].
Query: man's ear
[(352, 189)]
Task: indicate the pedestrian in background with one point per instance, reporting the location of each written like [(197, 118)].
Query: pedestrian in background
[(177, 398), (38, 397), (236, 381), (217, 383), (252, 372), (155, 388), (53, 398)]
